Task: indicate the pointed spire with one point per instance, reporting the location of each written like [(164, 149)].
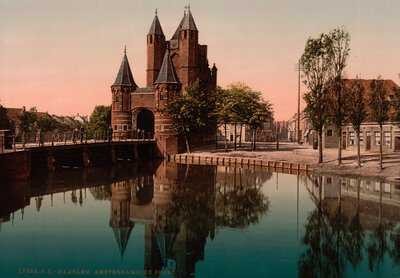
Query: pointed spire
[(155, 28), (167, 73), (124, 76), (187, 23), (122, 237), (188, 20)]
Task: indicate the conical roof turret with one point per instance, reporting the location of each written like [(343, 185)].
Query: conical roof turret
[(124, 76), (167, 74), (188, 21), (155, 28)]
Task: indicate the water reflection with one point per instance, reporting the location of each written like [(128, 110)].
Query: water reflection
[(180, 206), (325, 226), (354, 220)]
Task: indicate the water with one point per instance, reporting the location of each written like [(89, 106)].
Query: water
[(168, 220)]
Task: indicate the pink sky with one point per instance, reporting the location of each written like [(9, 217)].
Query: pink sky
[(62, 56)]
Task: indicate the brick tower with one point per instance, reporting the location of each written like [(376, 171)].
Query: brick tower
[(124, 85), (155, 50), (189, 47), (167, 87)]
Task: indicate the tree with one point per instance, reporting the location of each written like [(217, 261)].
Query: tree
[(379, 106), (241, 97), (316, 65), (338, 47), (224, 110), (186, 116), (244, 106), (5, 122), (46, 123), (357, 111), (28, 119), (396, 106), (100, 120), (261, 113)]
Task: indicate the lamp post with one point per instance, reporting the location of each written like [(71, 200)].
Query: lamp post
[(298, 69)]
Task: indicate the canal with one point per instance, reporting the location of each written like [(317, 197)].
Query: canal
[(163, 219)]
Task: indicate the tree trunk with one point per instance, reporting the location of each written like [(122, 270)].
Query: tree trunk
[(358, 149), (340, 146), (234, 139), (187, 144), (226, 139), (381, 148), (240, 135), (253, 141), (277, 138), (320, 154)]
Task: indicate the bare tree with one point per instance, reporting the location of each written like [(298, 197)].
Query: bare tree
[(338, 48), (316, 65), (379, 106), (357, 110)]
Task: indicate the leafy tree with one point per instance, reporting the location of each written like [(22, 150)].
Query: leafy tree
[(260, 113), (28, 119), (193, 111), (241, 97), (244, 106), (316, 63), (396, 106), (5, 122), (186, 115), (338, 47), (379, 106), (100, 120), (224, 110), (357, 110), (46, 123)]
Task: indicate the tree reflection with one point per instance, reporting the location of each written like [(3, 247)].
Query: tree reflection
[(335, 237), (239, 199)]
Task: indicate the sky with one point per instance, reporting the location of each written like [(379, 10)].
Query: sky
[(62, 56)]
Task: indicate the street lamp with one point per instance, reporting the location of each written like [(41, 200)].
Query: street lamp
[(298, 69)]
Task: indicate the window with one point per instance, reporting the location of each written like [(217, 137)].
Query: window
[(151, 39), (387, 138), (185, 34), (329, 180), (125, 127), (115, 127), (377, 138), (329, 132), (352, 138)]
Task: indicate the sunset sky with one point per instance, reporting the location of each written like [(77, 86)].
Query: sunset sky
[(62, 56)]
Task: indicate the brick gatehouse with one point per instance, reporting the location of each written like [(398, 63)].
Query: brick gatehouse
[(172, 66)]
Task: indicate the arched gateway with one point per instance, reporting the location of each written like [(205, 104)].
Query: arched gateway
[(145, 121)]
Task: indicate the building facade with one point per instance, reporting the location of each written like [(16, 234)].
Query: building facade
[(172, 67), (370, 131)]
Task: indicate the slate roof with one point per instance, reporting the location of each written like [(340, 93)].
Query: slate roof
[(155, 28), (167, 73), (124, 76), (187, 23)]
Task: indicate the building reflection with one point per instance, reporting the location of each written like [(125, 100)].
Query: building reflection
[(180, 206), (354, 220)]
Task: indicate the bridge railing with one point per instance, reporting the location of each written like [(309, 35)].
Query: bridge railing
[(40, 139)]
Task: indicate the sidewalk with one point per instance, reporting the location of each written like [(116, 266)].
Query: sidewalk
[(290, 152)]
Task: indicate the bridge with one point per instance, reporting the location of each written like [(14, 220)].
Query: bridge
[(18, 159)]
